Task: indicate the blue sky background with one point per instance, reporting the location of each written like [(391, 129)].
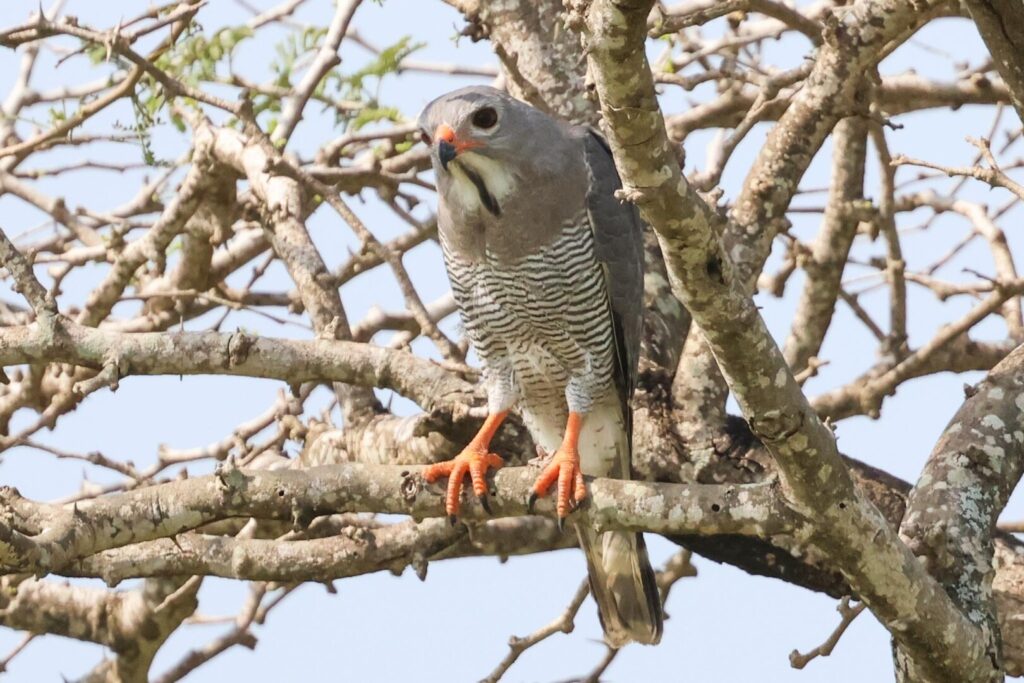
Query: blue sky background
[(725, 626)]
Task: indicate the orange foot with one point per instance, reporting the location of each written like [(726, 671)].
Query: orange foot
[(565, 469), (473, 461)]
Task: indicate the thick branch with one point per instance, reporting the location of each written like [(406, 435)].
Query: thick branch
[(827, 260), (348, 549), (863, 546), (539, 53), (133, 624), (952, 511), (282, 203), (1001, 24), (192, 353), (68, 534)]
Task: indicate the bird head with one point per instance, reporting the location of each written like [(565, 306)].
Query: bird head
[(485, 144), (477, 120)]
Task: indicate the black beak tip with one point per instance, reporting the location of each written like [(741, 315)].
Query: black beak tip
[(445, 153)]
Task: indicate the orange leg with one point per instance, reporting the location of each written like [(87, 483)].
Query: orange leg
[(475, 459), (564, 468)]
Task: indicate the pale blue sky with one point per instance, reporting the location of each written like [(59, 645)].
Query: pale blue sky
[(725, 626)]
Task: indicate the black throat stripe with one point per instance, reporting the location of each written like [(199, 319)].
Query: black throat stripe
[(486, 198)]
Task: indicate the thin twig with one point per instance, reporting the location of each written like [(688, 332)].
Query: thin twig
[(564, 623), (848, 614)]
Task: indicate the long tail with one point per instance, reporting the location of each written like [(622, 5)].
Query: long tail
[(622, 583)]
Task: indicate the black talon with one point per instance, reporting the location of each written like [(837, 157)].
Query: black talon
[(451, 519), (485, 502), (530, 501), (561, 524)]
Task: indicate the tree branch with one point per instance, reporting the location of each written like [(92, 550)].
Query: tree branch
[(42, 538), (952, 511), (1001, 24), (848, 527), (236, 353), (827, 260), (326, 59)]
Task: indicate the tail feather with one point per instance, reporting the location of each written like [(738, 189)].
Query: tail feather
[(622, 583)]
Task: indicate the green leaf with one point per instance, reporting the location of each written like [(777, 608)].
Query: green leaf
[(386, 63), (96, 53), (370, 115)]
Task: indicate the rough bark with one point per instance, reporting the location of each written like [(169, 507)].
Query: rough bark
[(1001, 24), (720, 490), (881, 570), (539, 54), (41, 538), (824, 265), (952, 510)]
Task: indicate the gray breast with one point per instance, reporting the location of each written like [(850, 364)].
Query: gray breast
[(544, 314)]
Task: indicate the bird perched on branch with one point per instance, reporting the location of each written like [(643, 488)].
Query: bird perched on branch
[(546, 266)]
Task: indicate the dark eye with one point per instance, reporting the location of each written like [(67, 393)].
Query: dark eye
[(485, 118), (424, 137)]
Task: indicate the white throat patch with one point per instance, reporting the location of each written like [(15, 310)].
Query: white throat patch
[(495, 176)]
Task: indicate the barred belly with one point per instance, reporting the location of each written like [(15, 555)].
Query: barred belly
[(541, 325)]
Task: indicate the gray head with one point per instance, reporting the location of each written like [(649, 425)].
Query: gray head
[(485, 143), (483, 121)]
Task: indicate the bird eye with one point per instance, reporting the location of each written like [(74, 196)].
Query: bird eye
[(485, 118), (425, 138)]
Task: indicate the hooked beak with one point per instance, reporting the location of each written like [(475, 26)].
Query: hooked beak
[(448, 146), (445, 152)]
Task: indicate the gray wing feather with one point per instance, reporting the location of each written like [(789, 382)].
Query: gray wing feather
[(618, 245), (621, 578)]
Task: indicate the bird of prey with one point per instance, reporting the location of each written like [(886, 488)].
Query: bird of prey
[(546, 266)]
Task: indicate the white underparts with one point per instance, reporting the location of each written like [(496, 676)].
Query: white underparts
[(603, 441)]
